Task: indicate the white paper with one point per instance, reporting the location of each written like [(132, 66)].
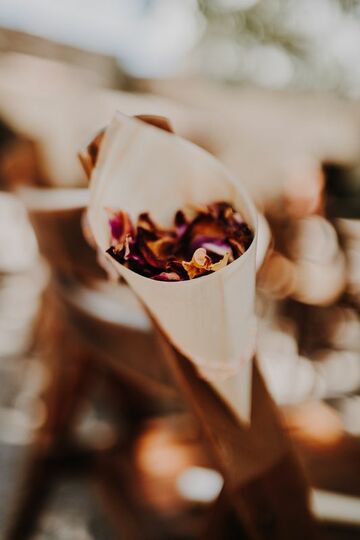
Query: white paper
[(211, 319)]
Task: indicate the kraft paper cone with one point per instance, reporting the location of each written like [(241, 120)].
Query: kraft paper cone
[(210, 319)]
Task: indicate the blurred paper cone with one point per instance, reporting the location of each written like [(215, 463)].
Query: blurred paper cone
[(210, 319)]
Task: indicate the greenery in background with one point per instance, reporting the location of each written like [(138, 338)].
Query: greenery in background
[(283, 43)]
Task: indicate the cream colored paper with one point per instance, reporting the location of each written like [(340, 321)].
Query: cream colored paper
[(210, 319)]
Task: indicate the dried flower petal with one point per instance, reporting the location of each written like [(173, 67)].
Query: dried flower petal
[(199, 264), (220, 264), (162, 247), (120, 225), (201, 242), (167, 276), (217, 246), (200, 259), (146, 222), (181, 223)]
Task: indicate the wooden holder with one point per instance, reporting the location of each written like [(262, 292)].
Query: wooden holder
[(263, 479), (265, 493)]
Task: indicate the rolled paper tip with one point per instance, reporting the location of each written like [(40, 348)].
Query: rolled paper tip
[(141, 168)]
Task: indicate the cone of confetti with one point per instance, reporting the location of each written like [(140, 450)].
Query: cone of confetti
[(206, 311)]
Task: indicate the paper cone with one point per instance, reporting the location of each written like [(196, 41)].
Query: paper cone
[(210, 319)]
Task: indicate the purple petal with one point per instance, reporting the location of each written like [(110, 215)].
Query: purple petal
[(167, 276), (163, 254), (215, 245), (116, 227)]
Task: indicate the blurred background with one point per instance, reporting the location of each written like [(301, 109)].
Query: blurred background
[(272, 89)]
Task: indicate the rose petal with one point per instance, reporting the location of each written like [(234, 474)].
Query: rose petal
[(212, 237), (220, 264), (212, 244), (167, 276), (120, 225)]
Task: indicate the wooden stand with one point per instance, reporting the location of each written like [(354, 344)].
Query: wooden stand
[(263, 479), (265, 495), (264, 484)]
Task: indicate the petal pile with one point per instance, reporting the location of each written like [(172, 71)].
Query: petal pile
[(202, 240)]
